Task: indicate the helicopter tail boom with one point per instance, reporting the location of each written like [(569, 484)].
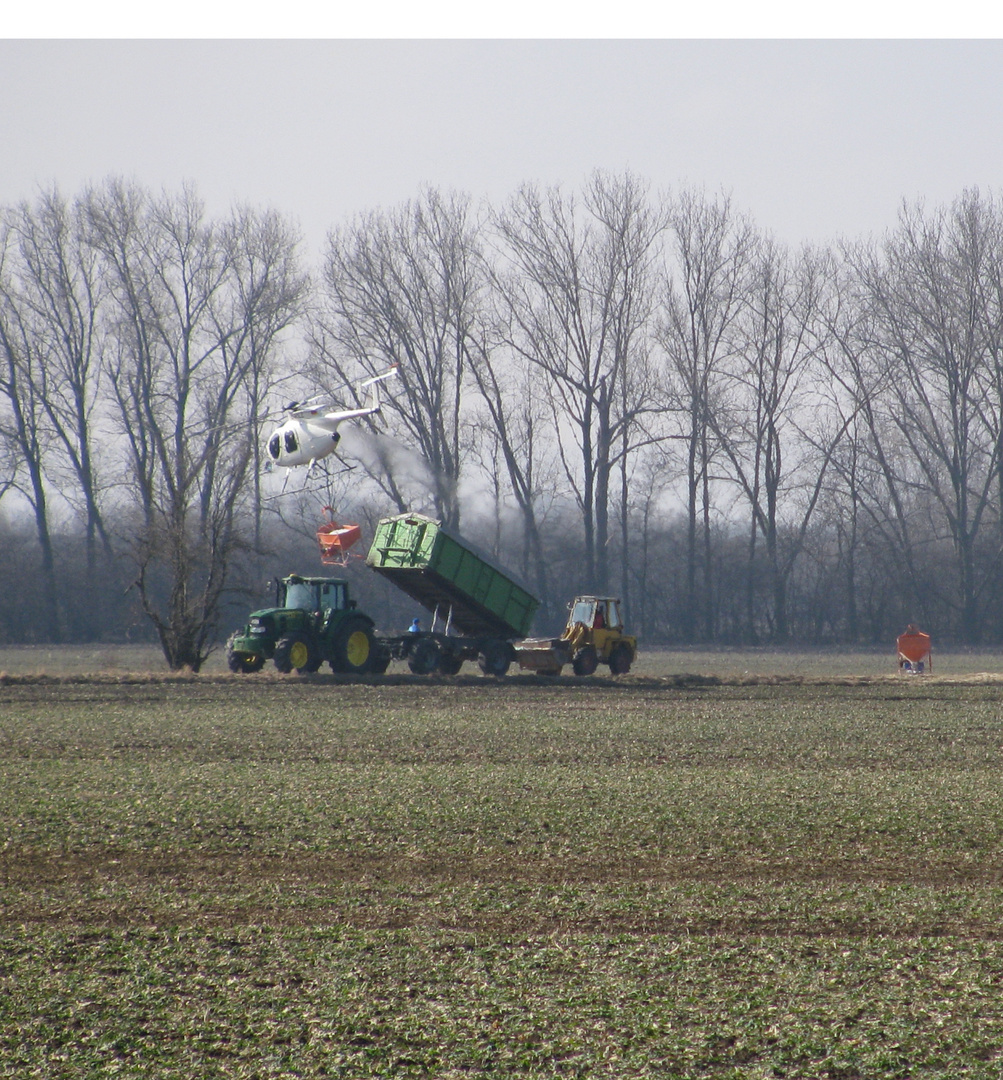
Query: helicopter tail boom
[(374, 394)]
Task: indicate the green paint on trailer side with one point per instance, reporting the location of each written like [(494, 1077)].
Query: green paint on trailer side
[(437, 568)]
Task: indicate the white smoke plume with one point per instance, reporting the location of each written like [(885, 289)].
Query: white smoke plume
[(382, 455)]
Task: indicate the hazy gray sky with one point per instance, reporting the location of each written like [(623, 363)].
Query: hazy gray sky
[(814, 138)]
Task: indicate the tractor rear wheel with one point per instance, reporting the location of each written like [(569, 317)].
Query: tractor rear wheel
[(354, 647), (585, 661), (296, 652), (620, 659)]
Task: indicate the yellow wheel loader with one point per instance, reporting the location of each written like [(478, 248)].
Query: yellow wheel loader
[(594, 635)]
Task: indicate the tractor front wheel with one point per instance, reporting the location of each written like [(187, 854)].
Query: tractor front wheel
[(242, 663)]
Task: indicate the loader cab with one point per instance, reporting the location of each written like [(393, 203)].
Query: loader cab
[(596, 612)]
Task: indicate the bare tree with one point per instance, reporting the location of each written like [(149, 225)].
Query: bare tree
[(710, 249), (868, 481), (773, 429), (23, 423), (266, 294), (193, 332), (60, 286), (982, 217), (515, 417), (404, 287), (933, 326), (579, 292)]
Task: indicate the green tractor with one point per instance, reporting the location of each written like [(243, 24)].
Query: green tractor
[(313, 621)]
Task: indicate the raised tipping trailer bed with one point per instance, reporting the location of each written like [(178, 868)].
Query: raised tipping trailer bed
[(483, 609)]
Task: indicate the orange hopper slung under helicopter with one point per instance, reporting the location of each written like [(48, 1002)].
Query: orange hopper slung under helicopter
[(335, 540)]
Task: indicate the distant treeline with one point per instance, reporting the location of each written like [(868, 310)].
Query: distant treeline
[(611, 391)]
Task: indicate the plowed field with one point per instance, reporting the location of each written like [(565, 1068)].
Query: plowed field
[(645, 876)]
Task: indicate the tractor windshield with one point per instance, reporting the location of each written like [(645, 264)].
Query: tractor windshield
[(301, 595)]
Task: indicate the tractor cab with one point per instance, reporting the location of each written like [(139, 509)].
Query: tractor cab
[(310, 594), (320, 599)]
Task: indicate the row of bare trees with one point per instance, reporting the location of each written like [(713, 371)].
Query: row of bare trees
[(137, 341), (613, 391)]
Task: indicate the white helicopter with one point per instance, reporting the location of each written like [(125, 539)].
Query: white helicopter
[(310, 432)]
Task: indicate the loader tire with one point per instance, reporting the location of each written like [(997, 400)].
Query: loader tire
[(620, 659), (585, 661)]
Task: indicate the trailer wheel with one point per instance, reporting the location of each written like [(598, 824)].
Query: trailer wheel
[(354, 647), (242, 663), (585, 661), (620, 659), (495, 658), (450, 663), (424, 658), (381, 658), (296, 652)]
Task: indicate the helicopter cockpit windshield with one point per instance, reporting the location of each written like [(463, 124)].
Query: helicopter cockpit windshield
[(274, 447)]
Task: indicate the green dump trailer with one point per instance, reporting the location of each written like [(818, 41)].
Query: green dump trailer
[(477, 610)]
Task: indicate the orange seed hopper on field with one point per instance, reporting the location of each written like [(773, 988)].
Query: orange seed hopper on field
[(914, 651)]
